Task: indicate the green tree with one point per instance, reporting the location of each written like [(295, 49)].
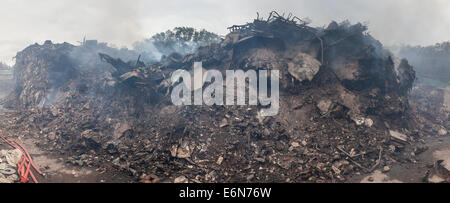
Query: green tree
[(182, 40)]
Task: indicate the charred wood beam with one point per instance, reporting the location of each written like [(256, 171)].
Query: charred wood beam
[(120, 66)]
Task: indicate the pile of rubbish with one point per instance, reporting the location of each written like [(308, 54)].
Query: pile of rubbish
[(344, 108)]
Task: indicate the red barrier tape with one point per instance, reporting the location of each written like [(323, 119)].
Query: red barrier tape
[(25, 164)]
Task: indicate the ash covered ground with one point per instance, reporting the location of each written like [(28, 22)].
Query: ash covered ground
[(350, 110)]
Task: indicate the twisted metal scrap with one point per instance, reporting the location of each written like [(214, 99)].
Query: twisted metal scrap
[(290, 19)]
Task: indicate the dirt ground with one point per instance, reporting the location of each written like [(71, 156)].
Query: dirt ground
[(56, 170), (438, 149)]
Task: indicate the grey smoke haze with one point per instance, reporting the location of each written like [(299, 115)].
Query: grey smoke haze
[(122, 22)]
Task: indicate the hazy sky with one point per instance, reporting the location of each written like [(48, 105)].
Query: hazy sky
[(121, 22)]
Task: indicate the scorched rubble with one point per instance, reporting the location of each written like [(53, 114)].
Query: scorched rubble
[(341, 95)]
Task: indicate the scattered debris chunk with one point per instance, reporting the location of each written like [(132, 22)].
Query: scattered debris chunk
[(386, 169), (181, 151), (223, 123), (442, 132), (324, 106), (398, 136), (181, 179), (219, 160), (303, 67)]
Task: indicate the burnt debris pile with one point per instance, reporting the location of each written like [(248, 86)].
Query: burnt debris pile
[(344, 107)]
